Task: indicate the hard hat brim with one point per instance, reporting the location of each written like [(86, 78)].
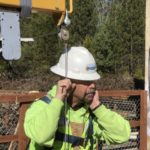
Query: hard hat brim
[(78, 76)]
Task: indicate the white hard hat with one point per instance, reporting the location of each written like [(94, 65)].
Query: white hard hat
[(80, 65)]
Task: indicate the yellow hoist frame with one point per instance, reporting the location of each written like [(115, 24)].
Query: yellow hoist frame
[(49, 6)]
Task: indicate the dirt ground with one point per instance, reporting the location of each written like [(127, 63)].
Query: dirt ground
[(43, 83)]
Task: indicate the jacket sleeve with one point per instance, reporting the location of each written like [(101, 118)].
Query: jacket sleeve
[(41, 120), (112, 127)]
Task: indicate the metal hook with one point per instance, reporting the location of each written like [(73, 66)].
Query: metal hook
[(67, 21)]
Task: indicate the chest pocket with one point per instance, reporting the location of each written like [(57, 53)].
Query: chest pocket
[(72, 139), (77, 130)]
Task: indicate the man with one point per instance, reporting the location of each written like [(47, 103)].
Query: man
[(71, 116)]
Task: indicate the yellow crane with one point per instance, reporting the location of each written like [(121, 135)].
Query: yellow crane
[(10, 12)]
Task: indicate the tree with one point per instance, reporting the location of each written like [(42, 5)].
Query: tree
[(119, 40), (83, 20)]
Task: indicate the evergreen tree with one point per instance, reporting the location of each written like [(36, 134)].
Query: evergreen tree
[(119, 41), (112, 29), (83, 21)]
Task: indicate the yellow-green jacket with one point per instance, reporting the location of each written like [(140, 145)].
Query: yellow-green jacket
[(43, 120)]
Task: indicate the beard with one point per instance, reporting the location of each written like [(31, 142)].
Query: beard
[(89, 96)]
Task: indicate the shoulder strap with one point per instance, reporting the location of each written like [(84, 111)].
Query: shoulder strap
[(74, 140), (90, 130), (46, 99)]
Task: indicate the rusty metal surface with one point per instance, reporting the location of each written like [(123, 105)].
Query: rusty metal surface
[(19, 96), (21, 134), (120, 93), (8, 138), (135, 123), (140, 120), (143, 122)]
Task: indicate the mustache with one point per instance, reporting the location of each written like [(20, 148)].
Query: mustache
[(91, 91)]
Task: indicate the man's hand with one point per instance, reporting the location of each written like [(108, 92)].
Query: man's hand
[(64, 87), (96, 102)]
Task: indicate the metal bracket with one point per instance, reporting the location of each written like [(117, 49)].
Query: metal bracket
[(10, 35), (25, 7), (63, 33)]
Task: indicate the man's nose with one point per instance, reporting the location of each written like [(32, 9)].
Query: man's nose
[(92, 85)]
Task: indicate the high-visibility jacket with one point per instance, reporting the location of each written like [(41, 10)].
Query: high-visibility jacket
[(44, 120)]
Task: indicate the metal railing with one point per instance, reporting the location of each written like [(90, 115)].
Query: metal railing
[(130, 104)]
